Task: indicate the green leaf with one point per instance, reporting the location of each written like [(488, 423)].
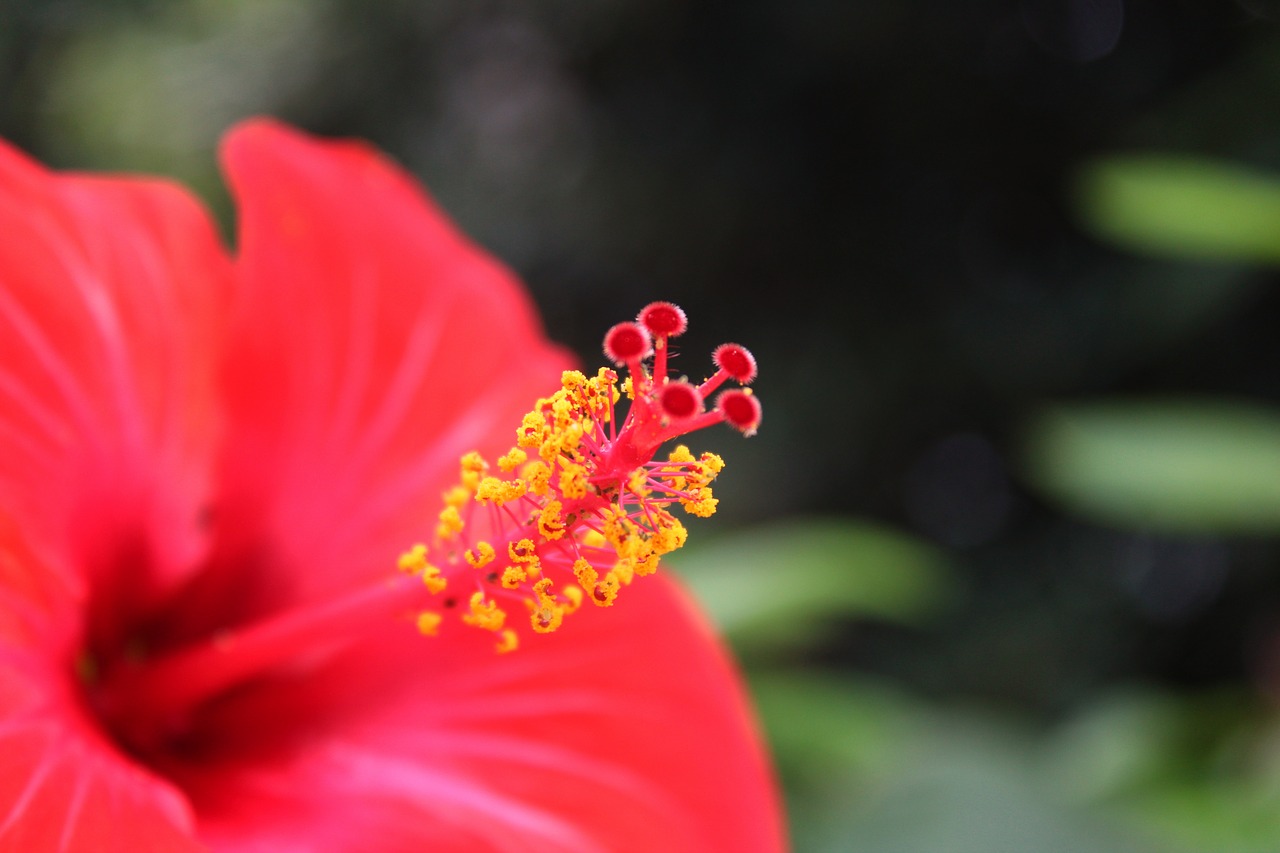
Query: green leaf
[(1183, 207), (1180, 466), (779, 585), (1199, 771), (831, 724), (878, 771)]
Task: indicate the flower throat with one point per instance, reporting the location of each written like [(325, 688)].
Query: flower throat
[(579, 508)]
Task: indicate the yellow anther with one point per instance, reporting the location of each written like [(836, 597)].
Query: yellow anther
[(624, 571), (637, 483), (435, 581), (605, 591), (512, 460), (473, 462), (618, 529), (522, 551), (484, 614), (551, 523), (545, 618), (682, 459), (646, 565), (513, 576), (701, 503), (586, 574), (500, 491), (547, 614), (507, 642), (481, 556), (532, 431), (563, 411), (671, 536), (457, 496), (473, 467), (680, 453), (574, 594), (594, 539), (429, 623), (450, 523), (573, 481), (602, 592), (563, 440), (712, 463), (413, 560), (538, 476)]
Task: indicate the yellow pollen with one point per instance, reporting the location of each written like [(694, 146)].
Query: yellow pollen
[(457, 496), (482, 556), (523, 551), (512, 460), (429, 623), (484, 614), (624, 571), (573, 381), (473, 467), (701, 504), (637, 484), (573, 481), (507, 642), (604, 592), (450, 523), (538, 476), (513, 576), (433, 579), (586, 574), (547, 614), (500, 491), (414, 560), (646, 565), (712, 463), (532, 431), (670, 537), (550, 522), (574, 594)]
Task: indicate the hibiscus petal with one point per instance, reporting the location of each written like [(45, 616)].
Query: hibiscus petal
[(373, 345), (625, 731), (62, 792), (64, 787), (110, 293)]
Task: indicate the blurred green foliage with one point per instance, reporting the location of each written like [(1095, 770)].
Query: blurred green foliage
[(775, 588), (1184, 207), (1185, 466), (1002, 565)]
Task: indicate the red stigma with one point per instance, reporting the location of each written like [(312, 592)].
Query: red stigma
[(741, 410), (663, 319), (737, 361), (680, 400), (627, 342)]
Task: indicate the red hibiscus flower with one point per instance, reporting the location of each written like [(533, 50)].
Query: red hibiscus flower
[(209, 470)]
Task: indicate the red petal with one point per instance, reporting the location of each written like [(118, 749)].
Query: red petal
[(627, 730), (63, 786), (110, 295), (373, 346)]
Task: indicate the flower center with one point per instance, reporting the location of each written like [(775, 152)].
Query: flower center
[(580, 507), (574, 512)]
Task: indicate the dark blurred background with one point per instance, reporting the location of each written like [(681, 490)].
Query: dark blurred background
[(1002, 563)]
